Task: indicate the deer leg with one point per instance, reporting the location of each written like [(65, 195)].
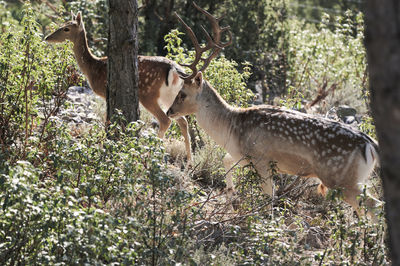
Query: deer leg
[(266, 183), (228, 164), (183, 125), (162, 118), (165, 122), (351, 197), (267, 186)]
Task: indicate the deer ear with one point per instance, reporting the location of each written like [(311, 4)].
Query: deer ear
[(73, 15), (198, 79), (78, 18)]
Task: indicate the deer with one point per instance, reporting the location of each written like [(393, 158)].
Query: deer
[(159, 77), (298, 143)]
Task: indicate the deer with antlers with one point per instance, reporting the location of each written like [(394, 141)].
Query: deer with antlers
[(300, 144), (159, 77)]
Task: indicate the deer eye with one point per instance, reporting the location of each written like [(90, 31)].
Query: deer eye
[(66, 29), (183, 96)]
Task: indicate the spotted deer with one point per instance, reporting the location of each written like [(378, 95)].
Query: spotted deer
[(300, 144), (159, 77)]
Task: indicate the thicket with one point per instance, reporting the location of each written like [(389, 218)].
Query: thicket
[(109, 197)]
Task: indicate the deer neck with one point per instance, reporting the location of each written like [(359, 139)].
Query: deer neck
[(83, 56), (215, 116)]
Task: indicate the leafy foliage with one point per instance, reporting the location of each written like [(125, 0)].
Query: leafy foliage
[(92, 213), (329, 63), (258, 28), (108, 196), (95, 14), (221, 73), (29, 76)]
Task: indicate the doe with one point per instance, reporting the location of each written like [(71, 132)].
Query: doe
[(159, 77)]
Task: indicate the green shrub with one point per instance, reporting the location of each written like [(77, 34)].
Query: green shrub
[(106, 199), (30, 74), (325, 60), (221, 73), (95, 17), (100, 197), (106, 196), (43, 223)]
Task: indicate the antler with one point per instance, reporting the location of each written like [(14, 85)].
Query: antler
[(212, 43)]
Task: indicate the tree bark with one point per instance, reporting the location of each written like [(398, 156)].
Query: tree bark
[(123, 78), (383, 50)]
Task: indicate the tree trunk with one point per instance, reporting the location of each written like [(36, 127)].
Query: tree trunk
[(383, 50), (123, 78)]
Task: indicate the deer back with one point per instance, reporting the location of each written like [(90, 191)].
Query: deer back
[(302, 144)]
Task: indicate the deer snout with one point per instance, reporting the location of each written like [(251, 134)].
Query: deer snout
[(170, 112), (52, 39), (47, 38)]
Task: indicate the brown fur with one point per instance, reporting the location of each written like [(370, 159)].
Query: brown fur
[(153, 74)]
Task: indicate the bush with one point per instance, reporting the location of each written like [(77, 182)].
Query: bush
[(106, 196), (329, 63), (76, 199), (221, 73), (29, 77), (103, 201)]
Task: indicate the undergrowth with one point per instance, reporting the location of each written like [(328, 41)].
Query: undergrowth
[(109, 197)]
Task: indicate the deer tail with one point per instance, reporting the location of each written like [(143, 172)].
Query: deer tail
[(371, 154)]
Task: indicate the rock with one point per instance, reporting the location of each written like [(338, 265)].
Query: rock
[(349, 119), (332, 114), (78, 110), (344, 111)]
